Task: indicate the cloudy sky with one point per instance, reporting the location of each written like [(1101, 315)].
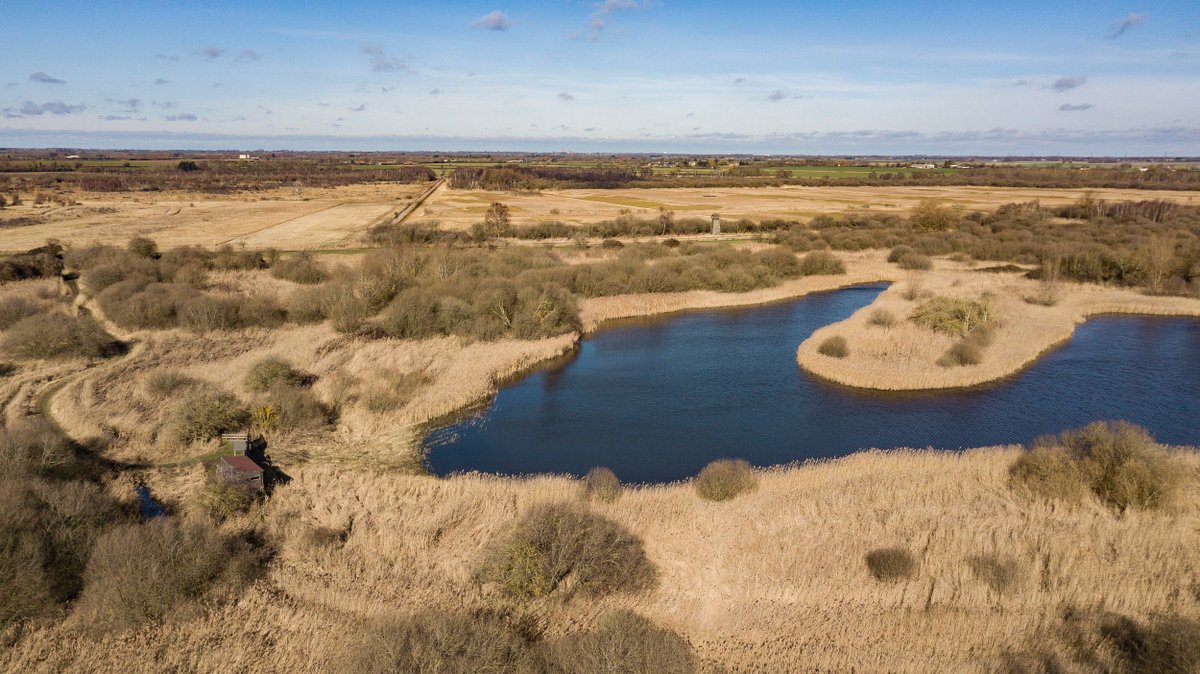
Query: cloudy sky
[(1086, 77)]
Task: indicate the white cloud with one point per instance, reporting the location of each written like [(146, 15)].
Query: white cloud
[(495, 20)]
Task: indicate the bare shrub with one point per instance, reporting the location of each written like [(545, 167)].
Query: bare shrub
[(49, 529), (270, 371), (13, 309), (299, 268), (899, 252), (950, 316), (891, 564), (914, 261), (1000, 572), (143, 247), (1049, 472), (484, 643), (882, 318), (207, 313), (821, 263), (555, 543), (600, 484), (295, 408), (206, 414), (725, 479), (623, 642), (1117, 461), (834, 347), (220, 500), (168, 383), (33, 446), (963, 353), (139, 573), (59, 336), (931, 216)]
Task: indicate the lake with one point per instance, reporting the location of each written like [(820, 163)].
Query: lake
[(657, 399)]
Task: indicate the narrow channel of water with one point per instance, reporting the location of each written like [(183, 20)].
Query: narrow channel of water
[(657, 400)]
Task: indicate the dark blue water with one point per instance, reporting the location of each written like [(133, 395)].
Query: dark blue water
[(658, 400), (148, 506)]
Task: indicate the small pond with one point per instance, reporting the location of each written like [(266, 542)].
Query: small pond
[(657, 399)]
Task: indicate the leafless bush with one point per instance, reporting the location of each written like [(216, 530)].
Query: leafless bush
[(559, 542), (600, 484), (1117, 461), (206, 414), (59, 336), (173, 563), (834, 347), (725, 479)]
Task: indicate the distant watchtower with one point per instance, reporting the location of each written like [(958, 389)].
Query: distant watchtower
[(716, 228)]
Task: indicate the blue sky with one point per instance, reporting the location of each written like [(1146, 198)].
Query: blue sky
[(1086, 78)]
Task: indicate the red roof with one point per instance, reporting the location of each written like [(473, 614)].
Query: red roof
[(242, 464)]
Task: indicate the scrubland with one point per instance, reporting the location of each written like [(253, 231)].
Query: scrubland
[(1073, 555)]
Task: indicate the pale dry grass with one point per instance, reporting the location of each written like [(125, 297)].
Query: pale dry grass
[(320, 218), (786, 592), (904, 356), (459, 209), (774, 580)]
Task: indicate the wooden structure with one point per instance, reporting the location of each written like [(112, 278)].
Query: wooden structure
[(239, 443), (241, 470)]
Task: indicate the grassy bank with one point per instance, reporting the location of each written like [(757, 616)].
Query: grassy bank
[(887, 350)]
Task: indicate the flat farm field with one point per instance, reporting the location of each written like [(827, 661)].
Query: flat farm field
[(459, 209), (314, 219)]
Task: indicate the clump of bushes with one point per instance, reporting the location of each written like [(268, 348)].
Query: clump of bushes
[(891, 564), (220, 500), (821, 263), (13, 309), (950, 316), (600, 484), (963, 353), (493, 642), (444, 642), (834, 347), (292, 408), (900, 251), (623, 642), (271, 371), (905, 257), (299, 268), (59, 336), (915, 261), (173, 563), (882, 318), (724, 479), (206, 414), (169, 383), (556, 541), (1118, 462)]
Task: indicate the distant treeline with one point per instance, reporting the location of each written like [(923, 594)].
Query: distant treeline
[(538, 177), (205, 176), (533, 178)]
